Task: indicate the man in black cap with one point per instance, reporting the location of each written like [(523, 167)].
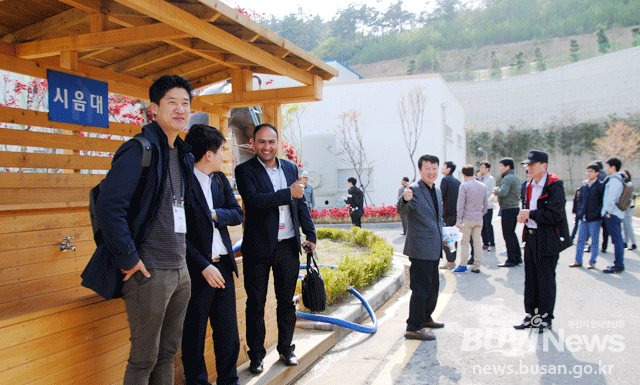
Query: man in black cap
[(546, 234)]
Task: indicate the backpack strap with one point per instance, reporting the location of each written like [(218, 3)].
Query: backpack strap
[(146, 150)]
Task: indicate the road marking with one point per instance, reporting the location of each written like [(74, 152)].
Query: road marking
[(401, 357)]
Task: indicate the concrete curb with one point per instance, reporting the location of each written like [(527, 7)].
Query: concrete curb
[(313, 339)]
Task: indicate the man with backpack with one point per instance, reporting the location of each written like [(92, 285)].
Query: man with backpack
[(142, 253), (612, 214)]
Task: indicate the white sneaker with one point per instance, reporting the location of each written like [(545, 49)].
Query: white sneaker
[(504, 253), (492, 248)]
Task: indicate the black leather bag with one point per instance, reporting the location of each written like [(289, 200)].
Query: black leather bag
[(313, 295)]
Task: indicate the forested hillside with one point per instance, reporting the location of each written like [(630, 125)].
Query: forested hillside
[(359, 34)]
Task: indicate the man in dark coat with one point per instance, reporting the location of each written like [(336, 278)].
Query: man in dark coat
[(546, 234), (211, 263), (275, 211), (355, 200), (449, 187)]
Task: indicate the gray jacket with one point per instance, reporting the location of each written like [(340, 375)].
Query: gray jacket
[(424, 232), (509, 191)]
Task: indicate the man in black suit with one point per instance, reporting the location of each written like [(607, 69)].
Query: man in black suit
[(275, 210), (355, 200), (449, 187), (211, 263)]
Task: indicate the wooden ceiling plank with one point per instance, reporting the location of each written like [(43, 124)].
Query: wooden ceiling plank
[(94, 53), (211, 79), (187, 45), (149, 57), (91, 41), (48, 26), (183, 69), (172, 15), (90, 6), (98, 22)]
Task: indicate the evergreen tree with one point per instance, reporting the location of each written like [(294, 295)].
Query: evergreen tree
[(412, 67), (436, 65), (635, 34), (496, 72), (519, 62), (575, 50), (540, 63), (603, 40)]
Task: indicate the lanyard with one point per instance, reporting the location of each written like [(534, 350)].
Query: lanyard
[(175, 202)]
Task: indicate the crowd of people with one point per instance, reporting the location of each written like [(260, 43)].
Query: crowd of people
[(537, 202), (167, 252)]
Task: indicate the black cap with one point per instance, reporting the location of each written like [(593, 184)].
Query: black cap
[(536, 156)]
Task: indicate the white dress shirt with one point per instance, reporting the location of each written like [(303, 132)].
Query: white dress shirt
[(279, 182), (535, 194), (217, 246)]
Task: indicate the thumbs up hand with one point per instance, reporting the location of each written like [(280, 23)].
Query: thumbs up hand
[(407, 195), (297, 189)]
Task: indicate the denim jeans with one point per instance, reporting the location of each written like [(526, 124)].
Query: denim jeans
[(588, 230), (615, 231)]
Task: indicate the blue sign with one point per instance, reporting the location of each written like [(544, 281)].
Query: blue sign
[(78, 100)]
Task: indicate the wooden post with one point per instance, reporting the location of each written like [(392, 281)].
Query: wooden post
[(271, 114)]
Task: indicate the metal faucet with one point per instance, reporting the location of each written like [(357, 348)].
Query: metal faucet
[(66, 244)]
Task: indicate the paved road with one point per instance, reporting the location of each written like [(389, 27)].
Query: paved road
[(594, 338)]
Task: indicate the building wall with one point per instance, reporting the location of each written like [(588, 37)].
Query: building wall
[(377, 101), (578, 92)]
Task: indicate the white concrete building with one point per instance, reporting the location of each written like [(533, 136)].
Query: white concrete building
[(376, 100)]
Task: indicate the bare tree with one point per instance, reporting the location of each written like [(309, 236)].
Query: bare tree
[(411, 108), (291, 128), (350, 137), (621, 140)]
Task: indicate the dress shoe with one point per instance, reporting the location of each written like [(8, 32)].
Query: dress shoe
[(448, 265), (256, 367), (421, 335), (508, 264), (613, 270), (470, 262), (591, 266), (575, 264), (632, 247), (604, 250), (524, 325), (475, 271), (289, 359), (433, 325)]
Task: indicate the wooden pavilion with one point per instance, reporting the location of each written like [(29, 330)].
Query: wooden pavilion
[(52, 330)]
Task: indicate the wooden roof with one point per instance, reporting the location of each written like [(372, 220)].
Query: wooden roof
[(205, 41)]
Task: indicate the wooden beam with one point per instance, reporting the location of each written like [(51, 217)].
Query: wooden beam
[(211, 79), (187, 45), (241, 83), (98, 22), (48, 26), (90, 6), (91, 41), (271, 113), (270, 96), (183, 69), (149, 57), (69, 60), (7, 49), (172, 15)]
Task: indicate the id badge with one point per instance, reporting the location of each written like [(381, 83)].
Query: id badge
[(179, 220), (281, 221)]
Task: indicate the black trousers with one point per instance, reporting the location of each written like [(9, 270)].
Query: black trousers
[(509, 219), (285, 263), (405, 220), (450, 220), (356, 218), (539, 281), (425, 285), (217, 306), (487, 229)]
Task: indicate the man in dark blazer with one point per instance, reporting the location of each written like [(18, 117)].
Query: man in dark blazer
[(449, 187), (211, 263), (422, 202), (275, 210), (546, 234)]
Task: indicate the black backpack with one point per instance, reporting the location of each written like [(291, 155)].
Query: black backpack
[(93, 194)]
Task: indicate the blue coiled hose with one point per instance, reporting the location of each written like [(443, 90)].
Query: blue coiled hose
[(333, 320)]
